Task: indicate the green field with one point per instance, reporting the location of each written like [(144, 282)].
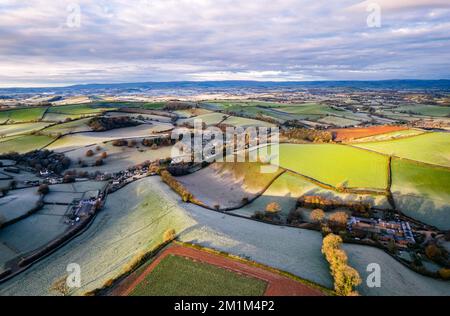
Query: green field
[(22, 115), (178, 276), (338, 121), (21, 128), (208, 119), (25, 143), (69, 127), (311, 108), (422, 192), (336, 165), (427, 110), (246, 122), (433, 148), (78, 109)]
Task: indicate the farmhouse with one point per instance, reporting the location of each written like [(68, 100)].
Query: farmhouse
[(386, 231)]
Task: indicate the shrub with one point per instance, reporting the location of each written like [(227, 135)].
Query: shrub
[(432, 251), (317, 215), (68, 178), (273, 207), (104, 155), (339, 219), (99, 162), (43, 189), (444, 273), (89, 153)]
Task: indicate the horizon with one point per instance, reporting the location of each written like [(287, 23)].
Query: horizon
[(218, 81)]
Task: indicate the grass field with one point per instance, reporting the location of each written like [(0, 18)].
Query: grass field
[(422, 192), (396, 279), (22, 128), (427, 110), (209, 119), (311, 108), (246, 122), (22, 115), (336, 165), (74, 141), (227, 184), (78, 109), (32, 232), (338, 121), (179, 276), (69, 127), (433, 148), (17, 203), (118, 158), (286, 190), (25, 144)]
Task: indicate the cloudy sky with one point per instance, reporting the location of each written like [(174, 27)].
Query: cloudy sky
[(49, 43)]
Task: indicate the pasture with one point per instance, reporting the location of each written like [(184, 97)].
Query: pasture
[(338, 121), (117, 159), (227, 185), (29, 114), (21, 128), (422, 192), (17, 203), (432, 148), (335, 165), (427, 110), (74, 141), (396, 279), (25, 144)]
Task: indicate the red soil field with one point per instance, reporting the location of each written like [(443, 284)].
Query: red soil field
[(278, 285), (344, 134)]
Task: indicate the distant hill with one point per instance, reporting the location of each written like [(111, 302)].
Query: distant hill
[(143, 87)]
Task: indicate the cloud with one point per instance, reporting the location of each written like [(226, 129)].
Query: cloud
[(159, 40)]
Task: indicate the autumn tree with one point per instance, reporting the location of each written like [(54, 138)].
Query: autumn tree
[(273, 207), (339, 219), (89, 153), (169, 235), (345, 277), (432, 251), (317, 215)]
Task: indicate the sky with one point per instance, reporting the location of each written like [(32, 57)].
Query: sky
[(58, 42)]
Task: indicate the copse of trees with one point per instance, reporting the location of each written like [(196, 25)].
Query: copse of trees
[(100, 124), (160, 141), (305, 134), (316, 201), (177, 105), (345, 277)]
